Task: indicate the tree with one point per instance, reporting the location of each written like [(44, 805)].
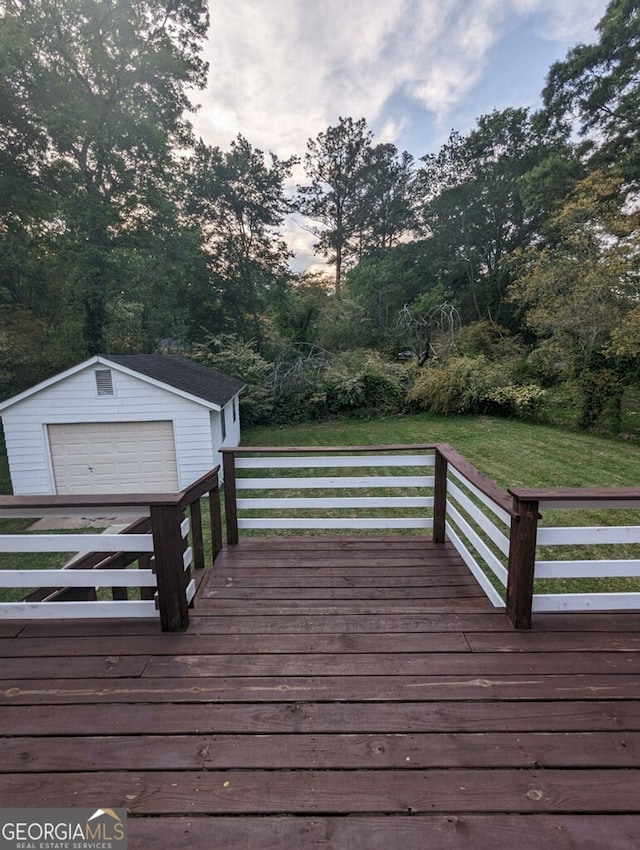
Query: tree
[(384, 284), (296, 304), (579, 292), (472, 210), (386, 209), (598, 86), (94, 98), (27, 354), (237, 198), (236, 357), (335, 164)]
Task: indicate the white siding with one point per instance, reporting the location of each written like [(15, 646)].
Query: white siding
[(233, 431), (75, 399)]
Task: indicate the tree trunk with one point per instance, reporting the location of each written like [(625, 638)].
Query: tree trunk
[(339, 271)]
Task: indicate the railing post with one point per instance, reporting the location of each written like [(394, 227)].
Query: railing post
[(522, 559), (216, 521), (170, 573), (439, 497), (230, 506)]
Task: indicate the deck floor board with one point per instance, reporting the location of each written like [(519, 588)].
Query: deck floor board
[(347, 693)]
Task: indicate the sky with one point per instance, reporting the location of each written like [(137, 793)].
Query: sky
[(282, 71)]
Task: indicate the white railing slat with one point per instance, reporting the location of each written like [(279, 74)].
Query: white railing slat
[(485, 523), (587, 569), (319, 483), (332, 522), (298, 462), (586, 535), (190, 590), (337, 502), (493, 506), (585, 602), (77, 578), (77, 610), (76, 543), (491, 559), (494, 597)]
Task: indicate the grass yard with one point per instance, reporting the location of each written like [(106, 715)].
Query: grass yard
[(512, 453)]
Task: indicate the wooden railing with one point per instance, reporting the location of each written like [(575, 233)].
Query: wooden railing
[(530, 539), (423, 487), (346, 465), (495, 531), (449, 499), (166, 544), (477, 517)]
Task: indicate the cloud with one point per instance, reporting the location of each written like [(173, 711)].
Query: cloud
[(570, 22), (282, 71)]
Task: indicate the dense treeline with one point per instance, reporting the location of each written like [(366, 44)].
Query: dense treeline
[(501, 271)]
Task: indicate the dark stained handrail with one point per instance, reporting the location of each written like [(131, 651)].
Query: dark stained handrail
[(486, 485), (324, 449), (580, 494)]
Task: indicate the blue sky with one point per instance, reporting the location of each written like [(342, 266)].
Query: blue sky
[(281, 71)]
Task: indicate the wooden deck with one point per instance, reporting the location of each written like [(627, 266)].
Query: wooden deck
[(333, 693)]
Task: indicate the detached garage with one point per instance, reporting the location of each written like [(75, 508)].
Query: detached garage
[(120, 424)]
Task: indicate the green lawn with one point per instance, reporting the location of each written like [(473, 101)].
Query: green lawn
[(512, 453)]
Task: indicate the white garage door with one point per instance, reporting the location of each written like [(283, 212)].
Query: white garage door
[(113, 457)]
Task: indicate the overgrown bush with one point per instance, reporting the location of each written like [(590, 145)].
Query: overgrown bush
[(364, 384), (297, 382), (486, 339), (457, 387), (354, 383), (522, 401), (467, 385), (235, 357)]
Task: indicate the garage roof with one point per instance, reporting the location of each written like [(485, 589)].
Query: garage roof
[(182, 374), (177, 374)]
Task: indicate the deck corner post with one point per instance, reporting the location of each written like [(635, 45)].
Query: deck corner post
[(440, 497), (230, 504), (522, 557), (169, 564)]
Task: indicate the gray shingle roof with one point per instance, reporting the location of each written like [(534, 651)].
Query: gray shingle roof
[(181, 373)]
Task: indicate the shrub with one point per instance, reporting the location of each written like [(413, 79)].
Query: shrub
[(364, 384), (229, 354), (458, 387), (466, 385), (298, 385), (522, 401), (486, 339)]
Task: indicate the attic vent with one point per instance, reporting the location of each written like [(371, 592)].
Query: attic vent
[(104, 382)]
